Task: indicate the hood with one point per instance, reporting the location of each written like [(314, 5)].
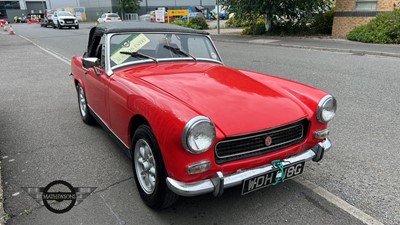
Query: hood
[(236, 103), (66, 17)]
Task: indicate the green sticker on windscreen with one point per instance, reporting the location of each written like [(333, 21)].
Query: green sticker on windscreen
[(132, 44)]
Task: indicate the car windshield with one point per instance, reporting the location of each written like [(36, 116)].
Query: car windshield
[(160, 46), (113, 15), (64, 14)]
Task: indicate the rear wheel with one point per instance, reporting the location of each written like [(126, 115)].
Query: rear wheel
[(149, 170), (83, 107)]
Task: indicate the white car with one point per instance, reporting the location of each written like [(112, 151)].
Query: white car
[(64, 19), (109, 17)]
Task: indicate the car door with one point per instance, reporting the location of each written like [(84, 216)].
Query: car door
[(96, 86)]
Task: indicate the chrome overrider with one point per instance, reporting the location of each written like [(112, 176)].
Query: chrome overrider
[(220, 182)]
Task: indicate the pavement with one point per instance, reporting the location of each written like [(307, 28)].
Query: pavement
[(321, 43)]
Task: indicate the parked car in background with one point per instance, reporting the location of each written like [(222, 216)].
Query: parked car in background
[(3, 22), (109, 17), (64, 19), (191, 124), (47, 19)]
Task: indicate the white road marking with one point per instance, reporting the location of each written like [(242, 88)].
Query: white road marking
[(340, 203), (60, 57), (337, 201), (15, 194)]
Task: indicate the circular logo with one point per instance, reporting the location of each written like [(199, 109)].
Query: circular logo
[(268, 141), (126, 44), (59, 196)]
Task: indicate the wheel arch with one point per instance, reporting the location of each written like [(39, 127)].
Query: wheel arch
[(135, 122)]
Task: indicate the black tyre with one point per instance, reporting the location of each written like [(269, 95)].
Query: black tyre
[(54, 26), (149, 170), (77, 27), (59, 26), (83, 107)]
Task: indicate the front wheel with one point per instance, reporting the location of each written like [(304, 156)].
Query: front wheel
[(149, 170), (83, 107), (77, 27)]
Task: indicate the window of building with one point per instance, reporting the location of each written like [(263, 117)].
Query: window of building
[(365, 5), (7, 5)]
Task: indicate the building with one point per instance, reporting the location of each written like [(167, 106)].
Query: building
[(93, 8), (352, 13)]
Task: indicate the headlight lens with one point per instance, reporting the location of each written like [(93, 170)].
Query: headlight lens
[(326, 109), (198, 135)]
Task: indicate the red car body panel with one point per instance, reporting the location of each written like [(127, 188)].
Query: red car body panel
[(169, 94)]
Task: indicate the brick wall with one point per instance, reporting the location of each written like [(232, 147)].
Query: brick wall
[(345, 5), (342, 25)]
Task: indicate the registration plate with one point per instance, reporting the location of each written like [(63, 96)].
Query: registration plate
[(266, 179), (69, 21)]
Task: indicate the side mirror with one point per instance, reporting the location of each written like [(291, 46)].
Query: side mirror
[(90, 62)]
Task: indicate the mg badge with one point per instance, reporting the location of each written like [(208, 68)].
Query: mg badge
[(268, 141)]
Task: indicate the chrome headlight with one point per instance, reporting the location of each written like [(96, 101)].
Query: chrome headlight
[(326, 109), (198, 135)]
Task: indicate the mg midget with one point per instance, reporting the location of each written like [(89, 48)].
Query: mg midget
[(190, 124)]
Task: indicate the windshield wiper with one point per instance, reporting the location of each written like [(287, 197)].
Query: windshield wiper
[(178, 51), (139, 55)]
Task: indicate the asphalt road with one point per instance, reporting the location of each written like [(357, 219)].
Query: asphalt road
[(43, 139)]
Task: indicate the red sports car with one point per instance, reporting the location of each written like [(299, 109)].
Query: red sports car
[(190, 124)]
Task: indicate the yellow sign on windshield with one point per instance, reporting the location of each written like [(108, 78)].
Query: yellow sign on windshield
[(131, 44)]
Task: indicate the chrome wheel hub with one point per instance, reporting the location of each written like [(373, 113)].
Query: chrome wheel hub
[(82, 101), (145, 166)]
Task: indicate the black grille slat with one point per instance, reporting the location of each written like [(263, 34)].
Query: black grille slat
[(251, 145)]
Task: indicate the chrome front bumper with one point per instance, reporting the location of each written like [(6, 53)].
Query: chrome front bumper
[(220, 182)]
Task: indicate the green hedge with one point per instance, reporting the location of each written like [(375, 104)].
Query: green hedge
[(195, 23), (385, 28)]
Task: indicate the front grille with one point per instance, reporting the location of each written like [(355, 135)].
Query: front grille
[(241, 147), (69, 21)]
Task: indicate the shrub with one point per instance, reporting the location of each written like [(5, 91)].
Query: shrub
[(238, 22), (385, 28), (182, 23), (200, 22), (323, 22), (255, 29)]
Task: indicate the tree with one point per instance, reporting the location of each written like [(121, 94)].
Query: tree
[(129, 6), (278, 11)]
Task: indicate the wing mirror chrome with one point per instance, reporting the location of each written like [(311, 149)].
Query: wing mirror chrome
[(91, 62)]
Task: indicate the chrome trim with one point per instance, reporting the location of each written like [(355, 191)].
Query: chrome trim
[(259, 149), (204, 162), (216, 49), (189, 125), (321, 103), (321, 134), (105, 124), (109, 69), (107, 58), (220, 182)]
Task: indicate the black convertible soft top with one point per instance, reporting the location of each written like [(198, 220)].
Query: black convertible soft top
[(133, 26)]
